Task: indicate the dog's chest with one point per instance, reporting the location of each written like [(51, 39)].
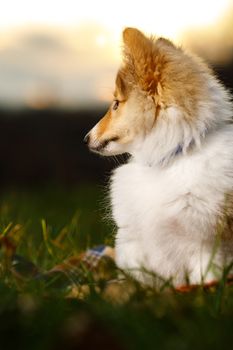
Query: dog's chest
[(139, 196)]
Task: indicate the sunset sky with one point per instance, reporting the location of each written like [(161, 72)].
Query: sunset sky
[(66, 53)]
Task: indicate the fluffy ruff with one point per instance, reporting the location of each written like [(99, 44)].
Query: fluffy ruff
[(173, 201)]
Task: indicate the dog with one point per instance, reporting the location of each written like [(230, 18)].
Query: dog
[(172, 201)]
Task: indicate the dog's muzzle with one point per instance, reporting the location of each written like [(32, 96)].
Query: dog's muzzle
[(98, 146)]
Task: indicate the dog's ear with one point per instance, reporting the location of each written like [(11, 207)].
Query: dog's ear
[(136, 43), (137, 47), (166, 43), (139, 60)]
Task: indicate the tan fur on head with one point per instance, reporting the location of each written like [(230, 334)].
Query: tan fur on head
[(162, 70), (158, 85)]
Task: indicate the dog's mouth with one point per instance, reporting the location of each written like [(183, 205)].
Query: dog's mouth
[(99, 146)]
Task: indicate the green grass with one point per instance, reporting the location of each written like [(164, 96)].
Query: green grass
[(49, 225)]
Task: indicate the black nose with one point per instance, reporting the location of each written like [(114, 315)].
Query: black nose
[(86, 138)]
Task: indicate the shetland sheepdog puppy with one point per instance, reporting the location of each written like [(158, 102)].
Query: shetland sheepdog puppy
[(172, 202)]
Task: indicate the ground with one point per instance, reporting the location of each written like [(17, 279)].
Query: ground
[(42, 228)]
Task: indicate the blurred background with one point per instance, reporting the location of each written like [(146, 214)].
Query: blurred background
[(58, 61)]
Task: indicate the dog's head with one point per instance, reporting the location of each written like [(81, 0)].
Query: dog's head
[(155, 76)]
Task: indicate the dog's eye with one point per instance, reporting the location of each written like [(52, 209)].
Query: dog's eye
[(115, 104)]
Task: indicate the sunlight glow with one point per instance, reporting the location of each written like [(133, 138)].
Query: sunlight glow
[(167, 17), (101, 40)]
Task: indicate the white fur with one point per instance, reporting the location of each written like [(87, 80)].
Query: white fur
[(166, 205)]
